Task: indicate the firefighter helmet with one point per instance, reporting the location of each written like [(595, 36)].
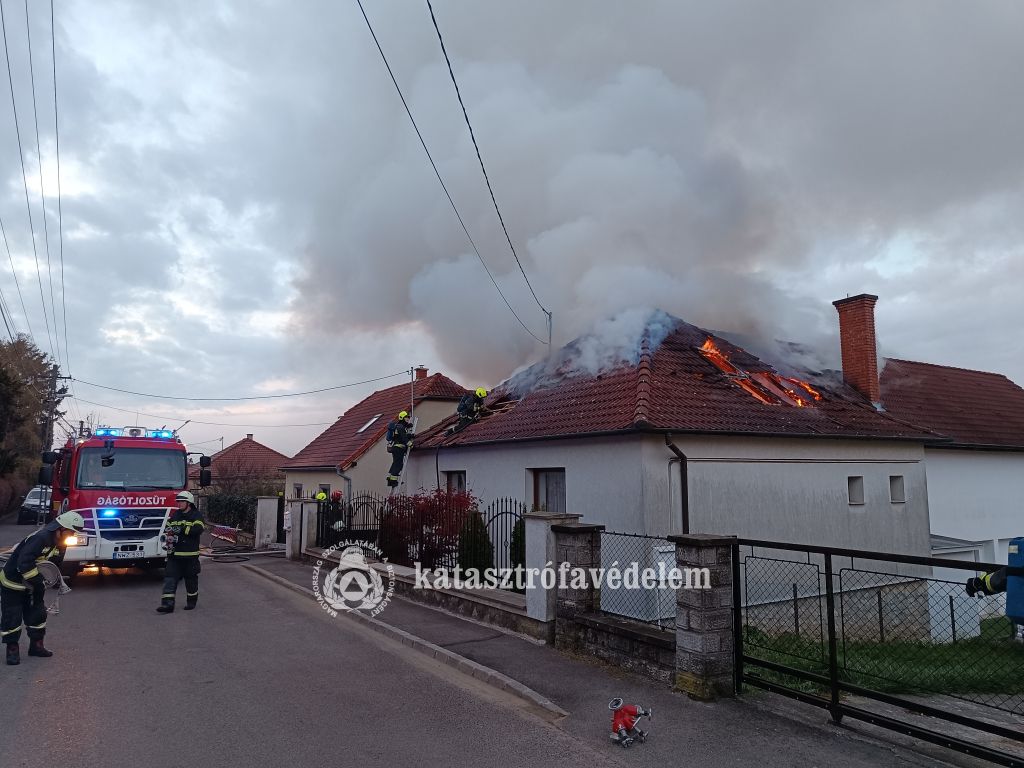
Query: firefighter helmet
[(481, 392), (403, 415), (186, 496), (72, 521)]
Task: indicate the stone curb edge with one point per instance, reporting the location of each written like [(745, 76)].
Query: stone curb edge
[(474, 669)]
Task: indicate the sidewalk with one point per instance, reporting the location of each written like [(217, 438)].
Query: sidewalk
[(732, 732)]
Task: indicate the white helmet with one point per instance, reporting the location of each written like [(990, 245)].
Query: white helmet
[(186, 496), (72, 521)]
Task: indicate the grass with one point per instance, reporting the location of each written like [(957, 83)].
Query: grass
[(991, 663)]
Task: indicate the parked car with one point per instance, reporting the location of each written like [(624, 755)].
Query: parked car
[(29, 511)]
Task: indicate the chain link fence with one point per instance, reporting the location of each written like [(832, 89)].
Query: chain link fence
[(634, 557)]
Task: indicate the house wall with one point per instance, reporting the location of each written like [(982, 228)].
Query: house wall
[(787, 489), (370, 471), (796, 490), (977, 496), (603, 477)]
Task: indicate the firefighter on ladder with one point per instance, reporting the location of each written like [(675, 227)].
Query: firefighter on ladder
[(399, 444), (22, 587), (184, 529)]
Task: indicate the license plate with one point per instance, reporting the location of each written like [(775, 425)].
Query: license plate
[(127, 555)]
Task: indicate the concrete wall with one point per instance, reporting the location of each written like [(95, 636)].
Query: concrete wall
[(977, 495), (370, 471), (787, 489)]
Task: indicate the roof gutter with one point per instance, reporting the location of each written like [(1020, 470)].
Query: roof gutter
[(684, 491), (632, 430)]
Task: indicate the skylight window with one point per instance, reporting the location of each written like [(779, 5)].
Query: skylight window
[(366, 426)]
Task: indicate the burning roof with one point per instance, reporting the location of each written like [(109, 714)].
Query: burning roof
[(677, 377)]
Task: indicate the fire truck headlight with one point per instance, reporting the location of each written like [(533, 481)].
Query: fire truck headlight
[(74, 540)]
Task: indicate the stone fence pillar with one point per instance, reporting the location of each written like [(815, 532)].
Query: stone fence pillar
[(577, 546), (705, 642)]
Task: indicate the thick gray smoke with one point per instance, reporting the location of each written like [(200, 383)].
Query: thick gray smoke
[(668, 159)]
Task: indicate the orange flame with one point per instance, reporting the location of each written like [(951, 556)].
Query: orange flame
[(768, 387)]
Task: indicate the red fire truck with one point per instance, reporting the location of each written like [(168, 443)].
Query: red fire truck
[(123, 481)]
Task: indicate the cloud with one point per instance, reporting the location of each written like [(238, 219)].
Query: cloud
[(245, 201)]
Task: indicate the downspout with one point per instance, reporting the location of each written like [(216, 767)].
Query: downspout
[(684, 492)]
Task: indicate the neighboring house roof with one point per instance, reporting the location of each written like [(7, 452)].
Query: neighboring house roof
[(366, 422), (243, 458), (676, 388), (973, 408)]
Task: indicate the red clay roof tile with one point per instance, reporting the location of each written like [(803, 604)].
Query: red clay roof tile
[(971, 407), (675, 388), (366, 422)]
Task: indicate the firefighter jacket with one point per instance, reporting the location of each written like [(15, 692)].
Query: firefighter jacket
[(401, 436), (21, 570), (187, 528)]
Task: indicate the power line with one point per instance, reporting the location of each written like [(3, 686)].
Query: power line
[(476, 146), (251, 397), (24, 179), (438, 174), (5, 310), (60, 211), (14, 272), (195, 421), (39, 160)]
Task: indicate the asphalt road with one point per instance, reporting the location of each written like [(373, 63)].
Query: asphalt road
[(257, 676)]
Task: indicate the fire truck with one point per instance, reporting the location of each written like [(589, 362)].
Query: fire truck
[(123, 481)]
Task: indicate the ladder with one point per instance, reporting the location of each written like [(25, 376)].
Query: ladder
[(401, 475)]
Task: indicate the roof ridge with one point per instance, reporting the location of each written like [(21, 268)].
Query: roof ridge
[(949, 367), (641, 408)]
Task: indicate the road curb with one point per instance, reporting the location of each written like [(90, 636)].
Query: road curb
[(474, 669)]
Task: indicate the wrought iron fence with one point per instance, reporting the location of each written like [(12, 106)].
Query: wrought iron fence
[(626, 554), (437, 530), (824, 625)]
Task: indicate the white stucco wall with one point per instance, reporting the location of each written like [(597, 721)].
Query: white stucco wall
[(785, 489), (977, 496), (369, 473)]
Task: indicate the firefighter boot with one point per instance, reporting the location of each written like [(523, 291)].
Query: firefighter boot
[(13, 654), (35, 648), (166, 605), (190, 601)]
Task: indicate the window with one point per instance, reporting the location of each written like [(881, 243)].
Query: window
[(326, 488), (455, 481), (855, 487), (549, 490), (297, 490), (897, 491), (366, 426)]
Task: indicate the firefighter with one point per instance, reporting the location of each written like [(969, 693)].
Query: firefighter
[(22, 587), (399, 444), (469, 409), (989, 584), (184, 529)]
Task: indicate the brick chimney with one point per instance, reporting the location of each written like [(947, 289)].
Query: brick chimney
[(857, 338), (421, 372)]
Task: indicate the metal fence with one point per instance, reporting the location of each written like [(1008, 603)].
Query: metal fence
[(438, 530), (626, 554), (898, 633)]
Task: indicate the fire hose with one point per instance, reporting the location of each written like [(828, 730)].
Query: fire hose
[(52, 578)]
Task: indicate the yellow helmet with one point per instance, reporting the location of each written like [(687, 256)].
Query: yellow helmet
[(481, 392), (403, 415)]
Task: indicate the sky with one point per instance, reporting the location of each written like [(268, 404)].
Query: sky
[(246, 209)]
